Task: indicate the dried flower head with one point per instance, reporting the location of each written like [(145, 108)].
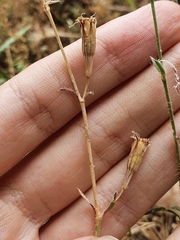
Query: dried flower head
[(138, 148), (88, 33)]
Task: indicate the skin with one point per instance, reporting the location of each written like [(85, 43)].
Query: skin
[(38, 118)]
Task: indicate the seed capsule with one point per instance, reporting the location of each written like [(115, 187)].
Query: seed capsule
[(88, 33), (138, 148)]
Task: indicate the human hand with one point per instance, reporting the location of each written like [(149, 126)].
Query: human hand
[(38, 118)]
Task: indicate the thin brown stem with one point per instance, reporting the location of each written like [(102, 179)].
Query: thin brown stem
[(90, 156), (86, 88), (48, 12), (84, 114)]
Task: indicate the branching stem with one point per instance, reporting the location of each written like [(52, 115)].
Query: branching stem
[(84, 114)]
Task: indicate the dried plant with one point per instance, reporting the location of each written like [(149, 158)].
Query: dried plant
[(88, 33), (139, 145)]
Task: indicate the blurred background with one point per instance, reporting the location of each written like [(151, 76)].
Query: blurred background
[(26, 35)]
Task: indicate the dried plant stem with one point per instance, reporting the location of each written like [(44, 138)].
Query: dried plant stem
[(89, 149), (48, 13), (159, 65), (84, 114), (86, 88), (139, 146)]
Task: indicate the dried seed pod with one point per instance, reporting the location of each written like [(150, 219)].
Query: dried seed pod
[(138, 148), (88, 33)]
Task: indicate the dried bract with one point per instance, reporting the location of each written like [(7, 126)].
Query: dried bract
[(88, 33)]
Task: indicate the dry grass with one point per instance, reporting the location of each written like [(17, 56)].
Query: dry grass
[(158, 225)]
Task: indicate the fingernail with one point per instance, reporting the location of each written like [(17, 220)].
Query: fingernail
[(94, 238), (85, 238), (108, 238)]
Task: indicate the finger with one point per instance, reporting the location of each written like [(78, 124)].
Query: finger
[(155, 176), (25, 178), (175, 234), (51, 174), (94, 238), (31, 106)]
